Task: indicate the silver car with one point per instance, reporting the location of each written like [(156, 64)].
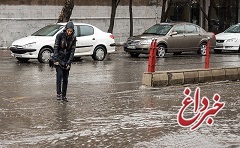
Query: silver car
[(171, 38), (229, 40)]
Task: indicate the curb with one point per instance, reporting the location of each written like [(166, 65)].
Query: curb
[(193, 76)]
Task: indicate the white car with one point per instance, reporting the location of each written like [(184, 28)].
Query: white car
[(91, 41), (228, 40)]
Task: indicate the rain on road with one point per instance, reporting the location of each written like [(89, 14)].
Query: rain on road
[(108, 106)]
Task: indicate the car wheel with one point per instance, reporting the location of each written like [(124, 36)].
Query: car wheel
[(161, 51), (217, 51), (99, 53), (202, 49), (44, 55), (134, 55), (23, 59)]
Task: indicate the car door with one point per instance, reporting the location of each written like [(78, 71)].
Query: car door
[(85, 40), (193, 37), (176, 42)]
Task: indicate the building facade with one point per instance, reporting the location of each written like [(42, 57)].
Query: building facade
[(19, 18)]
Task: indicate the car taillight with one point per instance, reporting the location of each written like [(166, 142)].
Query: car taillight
[(111, 36)]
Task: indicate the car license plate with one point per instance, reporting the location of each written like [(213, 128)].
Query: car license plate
[(131, 47), (219, 44), (17, 55)]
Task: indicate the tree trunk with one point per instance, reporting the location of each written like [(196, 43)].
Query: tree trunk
[(204, 13), (66, 11), (131, 17), (165, 13), (210, 23), (113, 13), (229, 17)]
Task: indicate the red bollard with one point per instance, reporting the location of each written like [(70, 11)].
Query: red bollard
[(152, 56), (207, 55)]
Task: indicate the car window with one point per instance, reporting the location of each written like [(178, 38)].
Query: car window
[(199, 29), (191, 29), (49, 30), (179, 29), (233, 29), (86, 30), (159, 29), (76, 32)]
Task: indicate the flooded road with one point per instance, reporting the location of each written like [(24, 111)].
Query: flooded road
[(108, 106)]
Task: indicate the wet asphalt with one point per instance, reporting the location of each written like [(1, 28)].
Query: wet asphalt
[(109, 107)]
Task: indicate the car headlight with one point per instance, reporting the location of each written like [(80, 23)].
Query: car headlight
[(232, 40), (29, 45), (146, 42)]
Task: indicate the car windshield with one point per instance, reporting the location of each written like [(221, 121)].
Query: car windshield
[(49, 30), (233, 29), (159, 29)]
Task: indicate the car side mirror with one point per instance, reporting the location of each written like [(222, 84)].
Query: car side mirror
[(173, 33)]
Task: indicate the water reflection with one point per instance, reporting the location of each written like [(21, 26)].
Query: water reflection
[(148, 102), (63, 122)]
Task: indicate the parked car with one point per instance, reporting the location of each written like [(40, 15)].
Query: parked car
[(229, 39), (174, 37), (91, 41)]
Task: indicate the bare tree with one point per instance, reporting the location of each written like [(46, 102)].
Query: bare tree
[(131, 17), (204, 13), (113, 13), (209, 18), (165, 12), (66, 11)]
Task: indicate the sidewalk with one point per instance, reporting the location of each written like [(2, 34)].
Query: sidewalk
[(119, 49), (5, 53), (3, 48)]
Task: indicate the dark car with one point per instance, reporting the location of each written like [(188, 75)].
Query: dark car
[(174, 38)]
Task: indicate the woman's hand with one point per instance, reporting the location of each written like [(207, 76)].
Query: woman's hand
[(56, 63), (68, 67)]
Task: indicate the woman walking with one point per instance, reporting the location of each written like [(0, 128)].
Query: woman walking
[(64, 50)]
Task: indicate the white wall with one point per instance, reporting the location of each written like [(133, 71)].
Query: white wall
[(22, 20)]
